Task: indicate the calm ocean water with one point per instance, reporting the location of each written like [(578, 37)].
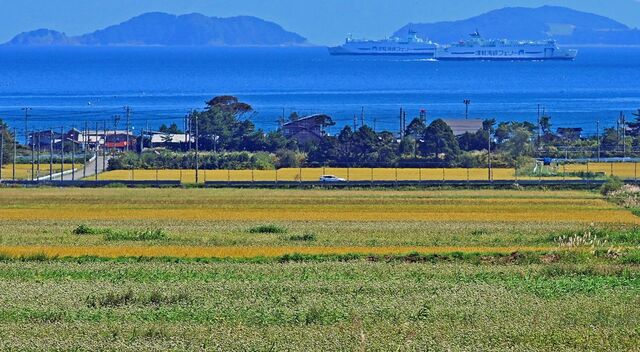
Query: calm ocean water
[(66, 86)]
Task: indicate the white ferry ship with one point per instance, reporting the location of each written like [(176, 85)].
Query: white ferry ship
[(412, 45), (478, 48)]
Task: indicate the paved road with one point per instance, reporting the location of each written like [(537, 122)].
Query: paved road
[(88, 170)]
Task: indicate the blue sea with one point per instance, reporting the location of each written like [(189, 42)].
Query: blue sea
[(68, 86)]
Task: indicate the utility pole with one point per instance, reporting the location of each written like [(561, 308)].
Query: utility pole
[(598, 137), (186, 133), (127, 110), (197, 147), (85, 146), (362, 117), (51, 154), (1, 150), (142, 140), (62, 153), (104, 150), (96, 148), (404, 121), (401, 124), (624, 134), (26, 124), (539, 122), (15, 153), (38, 157), (190, 119), (466, 103), (73, 160), (489, 159), (33, 164)]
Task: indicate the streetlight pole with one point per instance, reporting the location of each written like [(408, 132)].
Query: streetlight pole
[(598, 137), (26, 124)]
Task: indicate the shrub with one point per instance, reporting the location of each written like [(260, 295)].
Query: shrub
[(613, 184), (111, 299), (85, 230), (306, 237), (117, 299), (135, 235), (268, 229)]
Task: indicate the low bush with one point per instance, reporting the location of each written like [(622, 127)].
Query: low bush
[(135, 235), (124, 298), (85, 230), (308, 237), (613, 184), (268, 229), (122, 235)]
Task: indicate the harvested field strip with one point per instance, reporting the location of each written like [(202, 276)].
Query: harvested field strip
[(243, 252), (370, 213)]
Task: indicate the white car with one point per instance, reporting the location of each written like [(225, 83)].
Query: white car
[(331, 178)]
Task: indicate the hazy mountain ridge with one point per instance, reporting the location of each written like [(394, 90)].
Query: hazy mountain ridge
[(566, 25), (163, 29)]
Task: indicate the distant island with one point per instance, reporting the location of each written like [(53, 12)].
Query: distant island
[(568, 26), (162, 29)]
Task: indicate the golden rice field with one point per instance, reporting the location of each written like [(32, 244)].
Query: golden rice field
[(350, 218), (313, 174), (24, 171), (317, 270), (622, 170)]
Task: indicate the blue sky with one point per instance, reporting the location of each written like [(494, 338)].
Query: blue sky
[(321, 21)]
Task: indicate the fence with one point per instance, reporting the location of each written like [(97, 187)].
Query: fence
[(561, 172)]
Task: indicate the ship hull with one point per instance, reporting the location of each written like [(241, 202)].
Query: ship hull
[(504, 54), (387, 51), (505, 58)]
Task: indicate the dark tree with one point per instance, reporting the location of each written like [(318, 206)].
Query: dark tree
[(416, 128), (172, 129), (474, 141), (7, 151), (220, 126), (440, 143)]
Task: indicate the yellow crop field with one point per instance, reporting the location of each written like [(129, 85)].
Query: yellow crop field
[(24, 171), (313, 174), (336, 218), (624, 170)]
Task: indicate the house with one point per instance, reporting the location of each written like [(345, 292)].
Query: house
[(309, 129), (570, 134), (161, 139), (75, 135), (110, 139), (45, 139), (120, 140), (462, 126)]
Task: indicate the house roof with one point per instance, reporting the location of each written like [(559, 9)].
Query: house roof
[(318, 118), (159, 138), (461, 126)]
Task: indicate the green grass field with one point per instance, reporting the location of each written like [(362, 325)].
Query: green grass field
[(302, 270)]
